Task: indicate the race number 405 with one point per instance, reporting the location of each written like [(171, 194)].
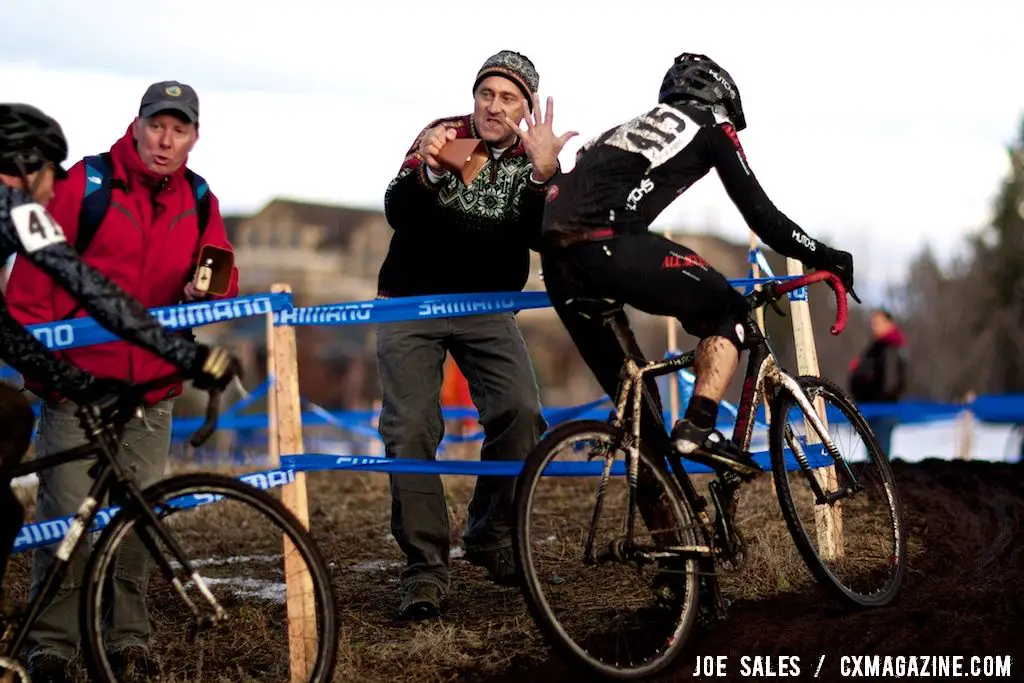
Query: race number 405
[(36, 228)]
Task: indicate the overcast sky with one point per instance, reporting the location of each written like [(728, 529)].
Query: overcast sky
[(878, 126)]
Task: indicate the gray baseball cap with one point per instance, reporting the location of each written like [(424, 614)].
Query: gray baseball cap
[(170, 96)]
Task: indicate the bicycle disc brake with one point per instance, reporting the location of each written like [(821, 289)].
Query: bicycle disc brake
[(730, 547)]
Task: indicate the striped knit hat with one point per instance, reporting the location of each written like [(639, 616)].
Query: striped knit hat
[(515, 67)]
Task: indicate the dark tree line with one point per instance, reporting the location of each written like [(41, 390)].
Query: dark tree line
[(965, 322)]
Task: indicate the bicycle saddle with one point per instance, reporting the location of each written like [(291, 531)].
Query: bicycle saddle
[(594, 308)]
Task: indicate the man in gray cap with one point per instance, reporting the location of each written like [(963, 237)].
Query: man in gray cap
[(170, 96), (456, 234), (145, 235)]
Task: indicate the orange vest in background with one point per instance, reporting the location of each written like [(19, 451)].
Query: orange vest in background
[(455, 390)]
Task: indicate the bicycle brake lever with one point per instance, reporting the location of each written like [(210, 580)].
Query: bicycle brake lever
[(854, 295), (240, 388), (775, 306)]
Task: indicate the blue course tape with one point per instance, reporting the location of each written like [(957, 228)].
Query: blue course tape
[(40, 534), (79, 332), (404, 309)]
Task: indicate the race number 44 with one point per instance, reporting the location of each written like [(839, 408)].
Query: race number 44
[(36, 228)]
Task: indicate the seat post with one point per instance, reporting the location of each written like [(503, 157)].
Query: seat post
[(618, 323)]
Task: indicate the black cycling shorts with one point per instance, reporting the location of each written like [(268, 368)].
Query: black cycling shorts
[(653, 274)]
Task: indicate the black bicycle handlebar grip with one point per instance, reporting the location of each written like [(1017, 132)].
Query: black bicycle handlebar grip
[(208, 428)]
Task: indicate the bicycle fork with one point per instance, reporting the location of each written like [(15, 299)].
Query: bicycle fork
[(821, 496), (150, 522)]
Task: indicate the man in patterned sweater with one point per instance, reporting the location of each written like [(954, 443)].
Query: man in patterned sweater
[(450, 237)]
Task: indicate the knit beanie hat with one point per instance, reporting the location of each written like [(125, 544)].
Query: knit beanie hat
[(515, 67)]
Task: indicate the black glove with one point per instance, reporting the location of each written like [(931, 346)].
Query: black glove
[(840, 263), (214, 369)]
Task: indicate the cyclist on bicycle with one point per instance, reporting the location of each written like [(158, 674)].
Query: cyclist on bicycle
[(596, 245), (32, 148)]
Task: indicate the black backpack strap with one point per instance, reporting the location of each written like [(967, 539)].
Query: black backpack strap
[(201, 192), (95, 201)]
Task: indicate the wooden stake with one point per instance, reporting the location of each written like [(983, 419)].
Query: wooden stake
[(965, 429), (673, 347), (285, 432), (755, 271), (828, 519)]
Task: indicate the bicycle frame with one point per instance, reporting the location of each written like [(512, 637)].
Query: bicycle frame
[(762, 379), (109, 476), (760, 365)]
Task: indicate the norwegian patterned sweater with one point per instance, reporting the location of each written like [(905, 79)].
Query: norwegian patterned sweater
[(452, 238)]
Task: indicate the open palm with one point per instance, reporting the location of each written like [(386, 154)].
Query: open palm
[(539, 140)]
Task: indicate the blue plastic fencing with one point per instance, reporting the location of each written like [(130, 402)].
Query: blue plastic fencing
[(84, 332)]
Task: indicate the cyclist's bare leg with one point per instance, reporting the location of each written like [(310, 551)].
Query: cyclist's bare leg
[(713, 367), (695, 435)]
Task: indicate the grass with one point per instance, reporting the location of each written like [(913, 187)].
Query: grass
[(484, 630)]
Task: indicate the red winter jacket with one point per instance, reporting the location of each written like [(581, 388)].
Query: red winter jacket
[(146, 244)]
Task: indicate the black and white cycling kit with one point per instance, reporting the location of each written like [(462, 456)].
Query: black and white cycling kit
[(28, 230), (597, 244)]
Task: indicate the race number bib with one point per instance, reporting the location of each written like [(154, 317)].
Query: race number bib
[(658, 135), (35, 227)]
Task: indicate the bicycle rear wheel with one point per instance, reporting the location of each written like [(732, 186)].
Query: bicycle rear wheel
[(856, 547), (233, 535), (629, 616)]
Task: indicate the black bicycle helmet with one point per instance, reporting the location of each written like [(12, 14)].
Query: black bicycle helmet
[(697, 79), (29, 139)]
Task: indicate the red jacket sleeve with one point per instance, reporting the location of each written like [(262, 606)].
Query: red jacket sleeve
[(215, 235), (30, 291)]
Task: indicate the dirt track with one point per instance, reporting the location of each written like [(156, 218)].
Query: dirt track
[(963, 595)]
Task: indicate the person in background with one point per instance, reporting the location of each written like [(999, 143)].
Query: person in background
[(147, 242), (450, 237), (879, 374)]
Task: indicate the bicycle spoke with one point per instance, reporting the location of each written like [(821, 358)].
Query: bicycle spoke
[(847, 525), (627, 615)]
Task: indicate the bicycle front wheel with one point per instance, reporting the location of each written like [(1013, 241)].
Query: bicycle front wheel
[(621, 605), (250, 556), (852, 536)]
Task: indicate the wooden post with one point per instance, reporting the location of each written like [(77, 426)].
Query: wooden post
[(376, 446), (828, 519), (755, 271), (965, 429), (285, 432), (673, 347)]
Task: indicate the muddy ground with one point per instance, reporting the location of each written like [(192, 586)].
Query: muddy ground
[(963, 593)]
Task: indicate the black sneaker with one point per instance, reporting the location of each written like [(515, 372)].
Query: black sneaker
[(133, 663), (500, 565), (420, 600), (711, 448), (50, 669)]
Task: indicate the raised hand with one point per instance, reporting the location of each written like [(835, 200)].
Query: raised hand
[(541, 144)]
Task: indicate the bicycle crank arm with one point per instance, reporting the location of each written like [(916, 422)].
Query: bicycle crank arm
[(615, 552), (205, 622), (620, 550)]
